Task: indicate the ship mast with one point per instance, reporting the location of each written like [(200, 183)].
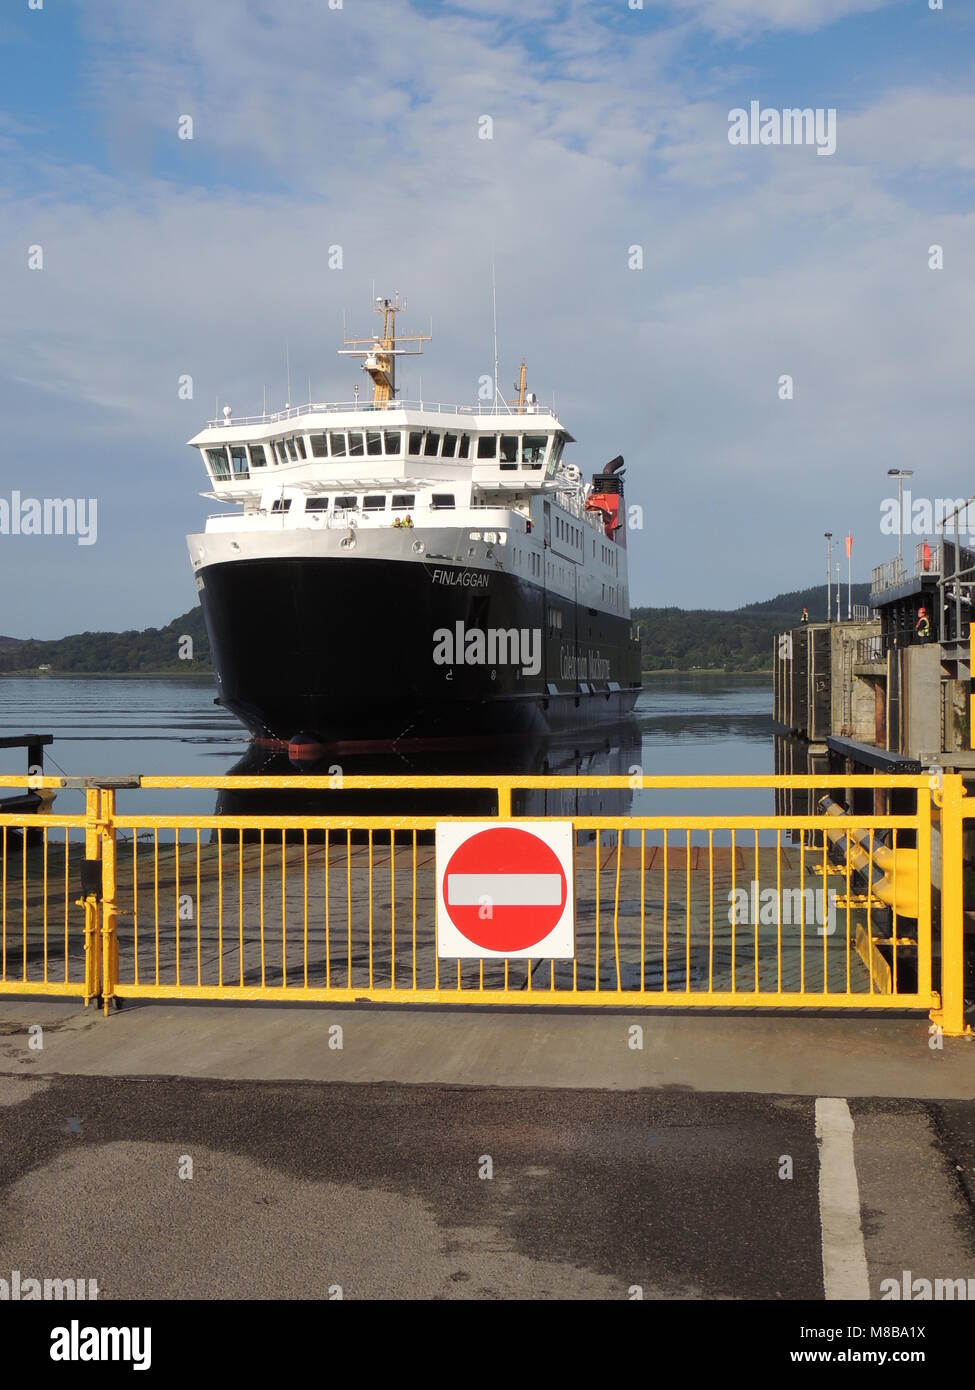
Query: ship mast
[(522, 387), (379, 353)]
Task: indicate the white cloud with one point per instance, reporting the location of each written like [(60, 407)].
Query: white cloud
[(916, 129), (735, 17), (757, 262)]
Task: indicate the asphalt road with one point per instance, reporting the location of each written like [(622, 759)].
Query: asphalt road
[(308, 1189)]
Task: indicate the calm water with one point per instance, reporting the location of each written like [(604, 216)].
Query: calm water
[(682, 724)]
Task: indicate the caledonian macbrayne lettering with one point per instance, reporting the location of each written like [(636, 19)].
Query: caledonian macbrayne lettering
[(582, 666)]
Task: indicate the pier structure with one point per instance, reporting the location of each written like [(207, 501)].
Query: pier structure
[(29, 798), (890, 690)]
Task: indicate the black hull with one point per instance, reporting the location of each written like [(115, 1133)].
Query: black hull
[(337, 650)]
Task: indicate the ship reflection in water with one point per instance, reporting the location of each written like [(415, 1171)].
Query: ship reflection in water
[(608, 751)]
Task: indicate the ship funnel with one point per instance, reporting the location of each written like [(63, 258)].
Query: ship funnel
[(606, 498)]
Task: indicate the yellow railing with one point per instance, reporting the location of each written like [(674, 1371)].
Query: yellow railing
[(792, 910)]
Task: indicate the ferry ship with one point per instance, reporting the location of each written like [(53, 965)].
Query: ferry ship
[(401, 570)]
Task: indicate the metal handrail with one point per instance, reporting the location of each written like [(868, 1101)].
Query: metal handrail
[(513, 781), (888, 576), (940, 562), (872, 650), (294, 412)]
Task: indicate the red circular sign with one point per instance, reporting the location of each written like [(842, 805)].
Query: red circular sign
[(504, 889)]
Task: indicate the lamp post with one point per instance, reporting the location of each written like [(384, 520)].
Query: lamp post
[(829, 556), (839, 592), (849, 575), (900, 474)]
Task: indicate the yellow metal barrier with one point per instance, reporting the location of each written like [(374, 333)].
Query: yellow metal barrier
[(45, 938), (954, 812), (728, 911)]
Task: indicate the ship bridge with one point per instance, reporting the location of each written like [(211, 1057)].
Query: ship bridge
[(337, 446)]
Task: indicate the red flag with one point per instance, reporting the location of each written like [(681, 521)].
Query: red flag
[(849, 545)]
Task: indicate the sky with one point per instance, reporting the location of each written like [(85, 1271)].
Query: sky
[(358, 124)]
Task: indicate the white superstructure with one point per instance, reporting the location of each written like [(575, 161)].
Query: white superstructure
[(343, 478)]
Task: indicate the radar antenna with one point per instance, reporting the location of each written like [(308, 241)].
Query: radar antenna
[(379, 352)]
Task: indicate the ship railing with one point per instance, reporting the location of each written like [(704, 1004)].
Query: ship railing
[(331, 521), (489, 520), (574, 502), (295, 412)]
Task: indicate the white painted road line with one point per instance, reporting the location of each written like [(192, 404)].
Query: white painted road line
[(844, 1256), (504, 890)]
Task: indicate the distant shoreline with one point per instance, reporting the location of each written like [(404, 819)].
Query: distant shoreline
[(709, 671), (108, 676), (209, 676)]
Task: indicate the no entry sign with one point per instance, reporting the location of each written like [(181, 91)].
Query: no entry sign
[(505, 888)]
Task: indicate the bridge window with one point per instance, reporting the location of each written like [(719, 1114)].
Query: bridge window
[(556, 454), (300, 446), (218, 463), (375, 503), (403, 501), (316, 504), (487, 446), (238, 461), (509, 450), (281, 451), (346, 504), (442, 501), (374, 442), (282, 504), (416, 442), (357, 444), (319, 446), (394, 441), (289, 445), (432, 445), (258, 456), (465, 447), (449, 446), (533, 450), (336, 444)]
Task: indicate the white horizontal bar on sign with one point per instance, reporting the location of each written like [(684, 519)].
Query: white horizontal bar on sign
[(504, 890)]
